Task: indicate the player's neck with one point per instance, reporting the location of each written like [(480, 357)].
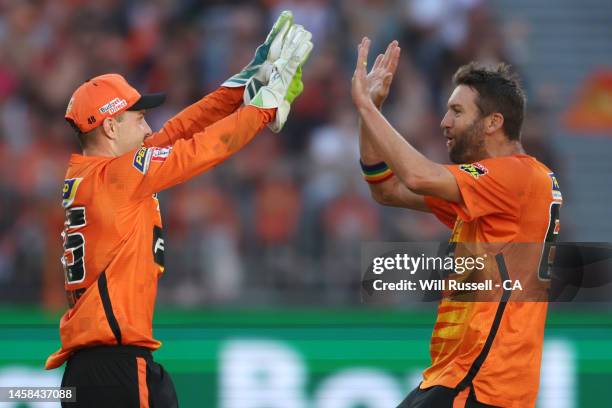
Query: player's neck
[(500, 146), (98, 150)]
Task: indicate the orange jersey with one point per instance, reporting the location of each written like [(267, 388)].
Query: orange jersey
[(113, 245), (495, 347)]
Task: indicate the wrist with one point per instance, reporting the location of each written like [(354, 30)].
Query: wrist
[(367, 107)]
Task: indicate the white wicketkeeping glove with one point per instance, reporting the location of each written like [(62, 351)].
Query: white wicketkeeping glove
[(285, 82), (261, 65)]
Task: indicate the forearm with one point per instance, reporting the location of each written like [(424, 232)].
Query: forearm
[(408, 164), (191, 157), (382, 192), (389, 192), (367, 152), (198, 116), (224, 138)]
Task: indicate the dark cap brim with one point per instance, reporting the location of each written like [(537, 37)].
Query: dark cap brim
[(148, 101)]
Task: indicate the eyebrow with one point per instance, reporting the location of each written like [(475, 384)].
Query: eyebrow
[(455, 106)]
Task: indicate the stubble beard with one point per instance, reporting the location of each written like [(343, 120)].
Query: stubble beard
[(468, 145)]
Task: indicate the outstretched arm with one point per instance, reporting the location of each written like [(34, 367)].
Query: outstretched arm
[(416, 172), (229, 96), (197, 117), (148, 170), (391, 191)]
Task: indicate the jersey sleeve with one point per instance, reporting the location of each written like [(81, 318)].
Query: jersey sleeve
[(488, 187), (195, 118), (148, 170), (442, 209)]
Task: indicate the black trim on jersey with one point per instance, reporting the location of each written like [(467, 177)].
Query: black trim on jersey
[(76, 217), (108, 307), (158, 246), (74, 295), (467, 380), (554, 218)]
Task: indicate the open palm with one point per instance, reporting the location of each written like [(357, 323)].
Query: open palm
[(378, 80)]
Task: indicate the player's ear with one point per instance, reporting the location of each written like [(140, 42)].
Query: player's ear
[(109, 128), (494, 122)]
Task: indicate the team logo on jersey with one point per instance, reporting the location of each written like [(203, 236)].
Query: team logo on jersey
[(160, 154), (556, 190), (475, 169), (142, 159), (69, 191)]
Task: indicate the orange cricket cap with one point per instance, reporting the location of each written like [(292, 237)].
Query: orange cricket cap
[(104, 96)]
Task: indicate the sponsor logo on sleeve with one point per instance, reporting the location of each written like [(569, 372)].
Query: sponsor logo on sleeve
[(556, 190), (113, 106), (69, 191), (160, 154), (475, 169), (142, 159)]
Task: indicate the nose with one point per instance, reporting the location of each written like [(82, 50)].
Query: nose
[(447, 121), (147, 129)]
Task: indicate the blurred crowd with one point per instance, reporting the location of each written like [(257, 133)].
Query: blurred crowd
[(280, 223)]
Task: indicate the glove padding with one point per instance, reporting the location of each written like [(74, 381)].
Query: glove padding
[(265, 55), (285, 83)]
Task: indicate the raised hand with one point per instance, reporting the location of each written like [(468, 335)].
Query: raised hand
[(381, 75), (377, 82), (260, 66), (285, 82)]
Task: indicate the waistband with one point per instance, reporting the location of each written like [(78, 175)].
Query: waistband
[(132, 351)]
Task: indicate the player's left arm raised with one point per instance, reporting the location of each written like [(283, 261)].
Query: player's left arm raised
[(229, 96), (415, 171)]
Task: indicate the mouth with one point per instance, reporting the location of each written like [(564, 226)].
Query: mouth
[(449, 142)]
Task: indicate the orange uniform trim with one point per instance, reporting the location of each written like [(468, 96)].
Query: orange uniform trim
[(143, 390)]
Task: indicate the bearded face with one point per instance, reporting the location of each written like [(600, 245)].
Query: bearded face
[(463, 127), (467, 145)]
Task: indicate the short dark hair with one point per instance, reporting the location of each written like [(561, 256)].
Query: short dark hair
[(499, 90)]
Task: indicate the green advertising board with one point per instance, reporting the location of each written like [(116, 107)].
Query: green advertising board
[(314, 358)]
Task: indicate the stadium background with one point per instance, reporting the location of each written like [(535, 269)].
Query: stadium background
[(260, 305)]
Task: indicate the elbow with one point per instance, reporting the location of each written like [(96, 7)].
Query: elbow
[(382, 195), (422, 183), (379, 196), (415, 183), (409, 178)]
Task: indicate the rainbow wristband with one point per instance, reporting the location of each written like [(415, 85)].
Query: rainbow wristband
[(375, 173)]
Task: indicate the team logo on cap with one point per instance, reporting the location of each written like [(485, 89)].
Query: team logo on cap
[(113, 106)]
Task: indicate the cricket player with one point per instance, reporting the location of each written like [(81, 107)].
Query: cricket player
[(113, 244), (483, 354)]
